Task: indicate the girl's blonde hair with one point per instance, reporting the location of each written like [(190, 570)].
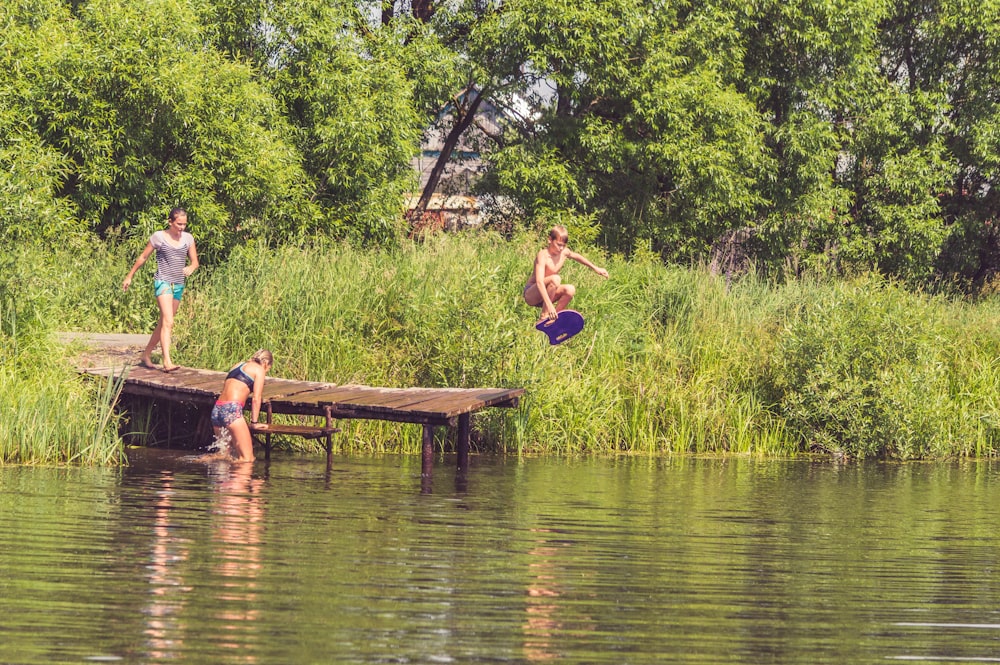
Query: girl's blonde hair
[(263, 356)]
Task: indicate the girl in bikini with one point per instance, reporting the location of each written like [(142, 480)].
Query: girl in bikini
[(243, 380), (173, 247), (554, 297)]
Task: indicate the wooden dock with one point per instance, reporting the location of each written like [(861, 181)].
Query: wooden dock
[(430, 407)]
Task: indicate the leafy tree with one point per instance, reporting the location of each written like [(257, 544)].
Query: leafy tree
[(144, 118), (30, 170), (644, 130), (855, 134), (345, 92), (948, 50), (263, 120)]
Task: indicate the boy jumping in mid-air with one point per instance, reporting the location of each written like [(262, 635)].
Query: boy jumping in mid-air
[(554, 296)]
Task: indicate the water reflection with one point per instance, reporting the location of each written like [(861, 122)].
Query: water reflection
[(637, 561), (164, 629), (238, 521), (541, 623)]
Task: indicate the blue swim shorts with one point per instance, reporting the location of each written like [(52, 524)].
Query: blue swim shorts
[(160, 287), (225, 414)]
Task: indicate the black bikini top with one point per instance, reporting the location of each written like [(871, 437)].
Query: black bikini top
[(238, 374)]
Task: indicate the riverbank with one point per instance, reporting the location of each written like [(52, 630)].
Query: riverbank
[(672, 361)]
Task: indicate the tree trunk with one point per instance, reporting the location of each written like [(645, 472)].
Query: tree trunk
[(462, 122), (423, 10)]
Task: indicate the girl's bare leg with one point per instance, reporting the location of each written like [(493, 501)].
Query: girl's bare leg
[(168, 308), (154, 339), (241, 447)]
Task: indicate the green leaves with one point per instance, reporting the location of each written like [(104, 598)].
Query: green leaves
[(853, 134), (129, 110)]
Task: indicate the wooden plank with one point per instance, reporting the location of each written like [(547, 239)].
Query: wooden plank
[(462, 445), (180, 390), (443, 402), (169, 395), (399, 404), (425, 406), (323, 397), (365, 413), (454, 405), (184, 379), (305, 431), (303, 393), (208, 383), (388, 398), (422, 413)]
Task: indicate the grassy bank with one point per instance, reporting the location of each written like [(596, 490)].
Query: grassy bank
[(671, 361), (48, 414)]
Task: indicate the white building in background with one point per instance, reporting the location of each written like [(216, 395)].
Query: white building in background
[(453, 204)]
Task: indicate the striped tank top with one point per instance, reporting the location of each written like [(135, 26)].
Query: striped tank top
[(170, 259)]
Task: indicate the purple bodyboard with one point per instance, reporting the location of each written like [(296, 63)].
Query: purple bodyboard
[(568, 323)]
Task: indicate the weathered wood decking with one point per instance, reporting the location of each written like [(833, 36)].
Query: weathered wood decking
[(430, 407)]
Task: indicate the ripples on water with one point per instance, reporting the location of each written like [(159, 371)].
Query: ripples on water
[(598, 561)]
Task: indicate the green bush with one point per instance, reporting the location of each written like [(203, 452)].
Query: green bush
[(867, 369)]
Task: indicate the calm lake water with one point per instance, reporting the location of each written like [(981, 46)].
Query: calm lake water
[(596, 561)]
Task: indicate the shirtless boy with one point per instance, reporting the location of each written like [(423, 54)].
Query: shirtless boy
[(555, 295)]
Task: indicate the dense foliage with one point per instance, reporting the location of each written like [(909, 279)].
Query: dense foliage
[(851, 138), (854, 135)]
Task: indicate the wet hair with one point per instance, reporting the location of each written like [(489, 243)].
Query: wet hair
[(176, 212), (558, 232), (263, 356)]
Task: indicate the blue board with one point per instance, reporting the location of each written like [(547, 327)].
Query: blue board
[(568, 323)]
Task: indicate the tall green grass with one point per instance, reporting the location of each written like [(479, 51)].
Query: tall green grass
[(671, 360), (48, 413)]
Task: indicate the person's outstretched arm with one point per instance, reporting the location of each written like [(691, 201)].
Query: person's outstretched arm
[(580, 258)]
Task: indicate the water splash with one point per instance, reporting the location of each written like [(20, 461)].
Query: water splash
[(221, 442)]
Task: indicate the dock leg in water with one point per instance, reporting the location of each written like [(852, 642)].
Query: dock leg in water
[(427, 459), (464, 429)]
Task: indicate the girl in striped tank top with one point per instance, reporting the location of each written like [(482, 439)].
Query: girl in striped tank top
[(173, 248)]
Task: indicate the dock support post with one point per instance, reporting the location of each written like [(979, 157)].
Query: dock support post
[(267, 435), (328, 412), (427, 459), (462, 446)]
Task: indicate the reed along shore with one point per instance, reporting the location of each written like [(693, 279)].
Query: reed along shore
[(673, 360)]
